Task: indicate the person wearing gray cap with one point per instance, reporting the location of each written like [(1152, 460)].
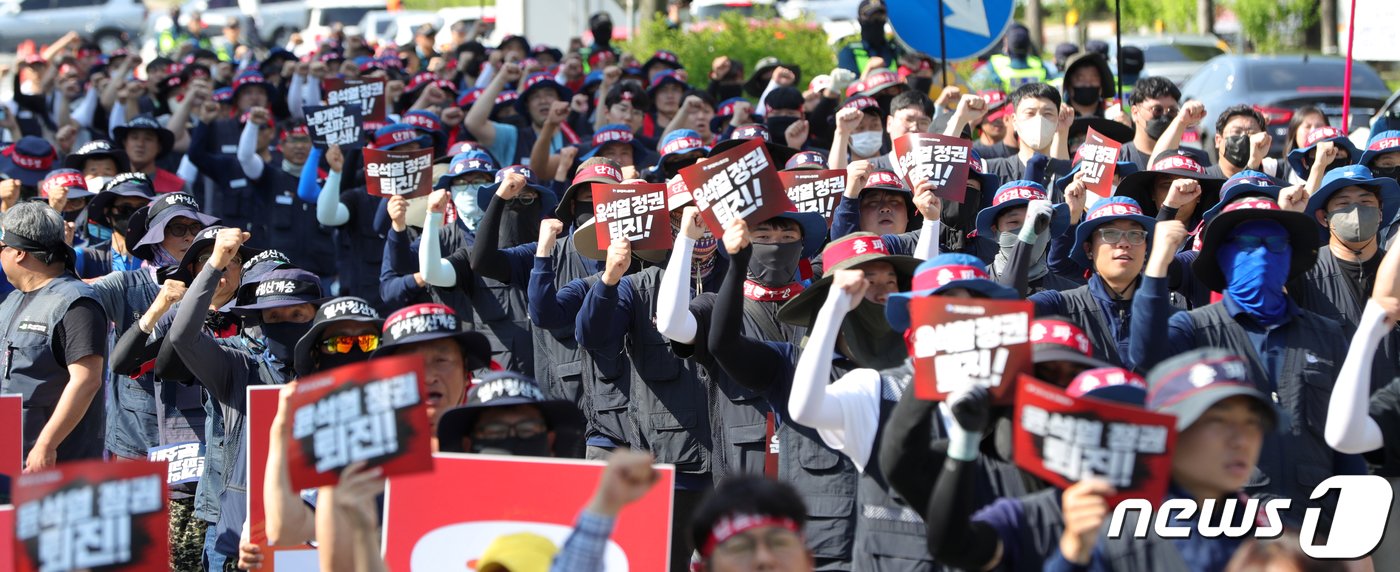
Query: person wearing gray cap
[(1221, 421), (56, 336)]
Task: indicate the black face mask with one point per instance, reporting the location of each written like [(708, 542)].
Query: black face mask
[(921, 84), (868, 339), (282, 337), (1158, 125), (1387, 172), (725, 91), (775, 264), (1338, 163), (777, 128), (872, 32), (520, 223), (119, 219), (602, 35), (1237, 150), (73, 216), (537, 446), (331, 361), (1085, 95), (583, 212)]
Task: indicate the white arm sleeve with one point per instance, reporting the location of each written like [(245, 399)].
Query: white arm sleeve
[(673, 317), (329, 210), (116, 119), (294, 103), (436, 271), (312, 96), (248, 152), (1350, 428), (808, 402), (187, 170), (86, 109), (929, 234)]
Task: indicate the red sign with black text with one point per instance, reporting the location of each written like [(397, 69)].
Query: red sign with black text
[(92, 515), (938, 158), (1064, 439), (634, 211), (740, 183), (374, 411), (453, 513), (1098, 159), (367, 93), (960, 342), (407, 173), (815, 191), (262, 409)]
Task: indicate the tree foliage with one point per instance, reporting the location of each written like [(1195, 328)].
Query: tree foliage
[(744, 39)]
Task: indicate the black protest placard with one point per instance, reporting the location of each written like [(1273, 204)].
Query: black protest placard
[(634, 211), (407, 173), (341, 125), (740, 183), (938, 158), (367, 93), (815, 191), (92, 515), (185, 461), (961, 342)]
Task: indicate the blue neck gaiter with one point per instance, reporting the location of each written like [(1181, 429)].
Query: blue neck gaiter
[(1255, 278)]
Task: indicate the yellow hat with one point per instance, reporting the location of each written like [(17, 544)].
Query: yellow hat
[(519, 552)]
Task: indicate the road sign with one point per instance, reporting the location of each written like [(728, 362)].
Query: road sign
[(970, 26)]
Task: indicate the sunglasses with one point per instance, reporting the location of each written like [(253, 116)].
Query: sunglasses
[(1275, 244), (183, 230), (1114, 236), (342, 344)]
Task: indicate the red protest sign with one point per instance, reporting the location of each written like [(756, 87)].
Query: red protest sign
[(12, 444), (262, 409), (815, 191), (938, 158), (453, 513), (407, 173), (7, 530), (963, 341), (739, 183), (634, 211), (367, 93), (1063, 439), (374, 411), (1098, 159), (92, 515)]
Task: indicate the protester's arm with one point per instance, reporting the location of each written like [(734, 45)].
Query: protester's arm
[(248, 144), (294, 94), (1190, 116), (86, 109), (1085, 510), (478, 119), (540, 160), (750, 362), (487, 258), (673, 317), (179, 123), (931, 208), (846, 122), (434, 269), (846, 218), (808, 403), (607, 309), (905, 449), (306, 184), (289, 521), (1350, 429), (399, 279), (330, 211), (953, 537), (1324, 154), (682, 119), (1060, 148), (1152, 310), (206, 359), (626, 479), (137, 346), (347, 520), (971, 108)]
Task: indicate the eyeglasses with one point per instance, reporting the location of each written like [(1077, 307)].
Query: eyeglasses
[(1247, 243), (521, 430), (203, 258), (182, 230), (524, 200), (1116, 235), (342, 344), (1158, 111)]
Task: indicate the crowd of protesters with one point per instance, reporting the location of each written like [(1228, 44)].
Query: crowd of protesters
[(170, 236)]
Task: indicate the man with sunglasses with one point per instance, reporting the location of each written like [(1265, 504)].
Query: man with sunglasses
[(1156, 103), (1248, 252)]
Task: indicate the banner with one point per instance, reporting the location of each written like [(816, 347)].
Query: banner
[(739, 183), (634, 211), (11, 442), (959, 342), (453, 513), (1098, 159), (7, 531), (92, 514), (335, 125), (367, 93), (1064, 439), (938, 158), (407, 173), (184, 461), (374, 411), (815, 191), (262, 409)]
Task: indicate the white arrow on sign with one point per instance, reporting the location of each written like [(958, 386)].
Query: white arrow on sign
[(967, 15)]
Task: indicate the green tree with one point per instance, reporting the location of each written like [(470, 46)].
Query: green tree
[(747, 40), (1273, 25)]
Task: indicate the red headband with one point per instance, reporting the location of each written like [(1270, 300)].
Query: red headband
[(734, 525), (935, 278), (1061, 334), (843, 250)]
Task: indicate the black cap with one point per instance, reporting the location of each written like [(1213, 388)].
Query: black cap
[(785, 97), (507, 389), (334, 311)]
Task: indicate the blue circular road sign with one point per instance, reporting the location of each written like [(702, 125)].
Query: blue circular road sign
[(970, 26)]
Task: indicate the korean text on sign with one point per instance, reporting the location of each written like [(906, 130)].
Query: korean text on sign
[(739, 183), (1079, 446), (87, 525), (959, 343), (185, 461), (335, 125), (1098, 160), (407, 173), (815, 191), (939, 159), (366, 93), (355, 423), (635, 212)]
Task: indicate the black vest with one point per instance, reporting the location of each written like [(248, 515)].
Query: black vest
[(1087, 312), (360, 250), (292, 225), (828, 482), (1325, 292)]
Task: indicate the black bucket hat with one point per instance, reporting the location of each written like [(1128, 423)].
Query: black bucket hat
[(427, 322), (508, 389), (148, 123), (335, 311), (205, 239), (98, 149), (148, 223)]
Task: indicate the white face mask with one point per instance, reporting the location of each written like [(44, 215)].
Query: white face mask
[(866, 143), (464, 198), (1037, 132), (95, 184)]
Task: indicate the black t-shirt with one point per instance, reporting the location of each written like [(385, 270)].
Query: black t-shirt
[(82, 332), (1010, 168), (998, 149), (1361, 277)]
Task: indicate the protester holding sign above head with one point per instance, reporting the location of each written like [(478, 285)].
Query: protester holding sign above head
[(879, 202)]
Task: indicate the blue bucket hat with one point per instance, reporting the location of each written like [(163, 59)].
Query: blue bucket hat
[(537, 81), (1105, 211), (427, 122), (662, 79), (813, 230), (1385, 188), (1020, 193), (396, 135), (1381, 142), (944, 272), (617, 133), (463, 163), (1244, 184), (485, 194), (681, 142), (29, 160), (1298, 159)]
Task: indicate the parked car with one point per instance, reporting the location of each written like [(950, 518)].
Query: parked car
[(1173, 57), (47, 20), (348, 13), (398, 28), (819, 10), (277, 19), (1278, 85), (701, 10)]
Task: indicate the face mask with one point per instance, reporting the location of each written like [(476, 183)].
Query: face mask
[(1007, 241), (1255, 278), (869, 341), (777, 127), (1237, 150), (1158, 125), (417, 212), (537, 446), (583, 212), (281, 338), (1085, 95), (1387, 172), (331, 361), (1338, 163), (1356, 223), (464, 199), (921, 84), (775, 264), (121, 219), (291, 168), (520, 223), (866, 143), (724, 91), (95, 184), (1036, 132), (98, 233), (73, 216), (872, 32), (602, 35)]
